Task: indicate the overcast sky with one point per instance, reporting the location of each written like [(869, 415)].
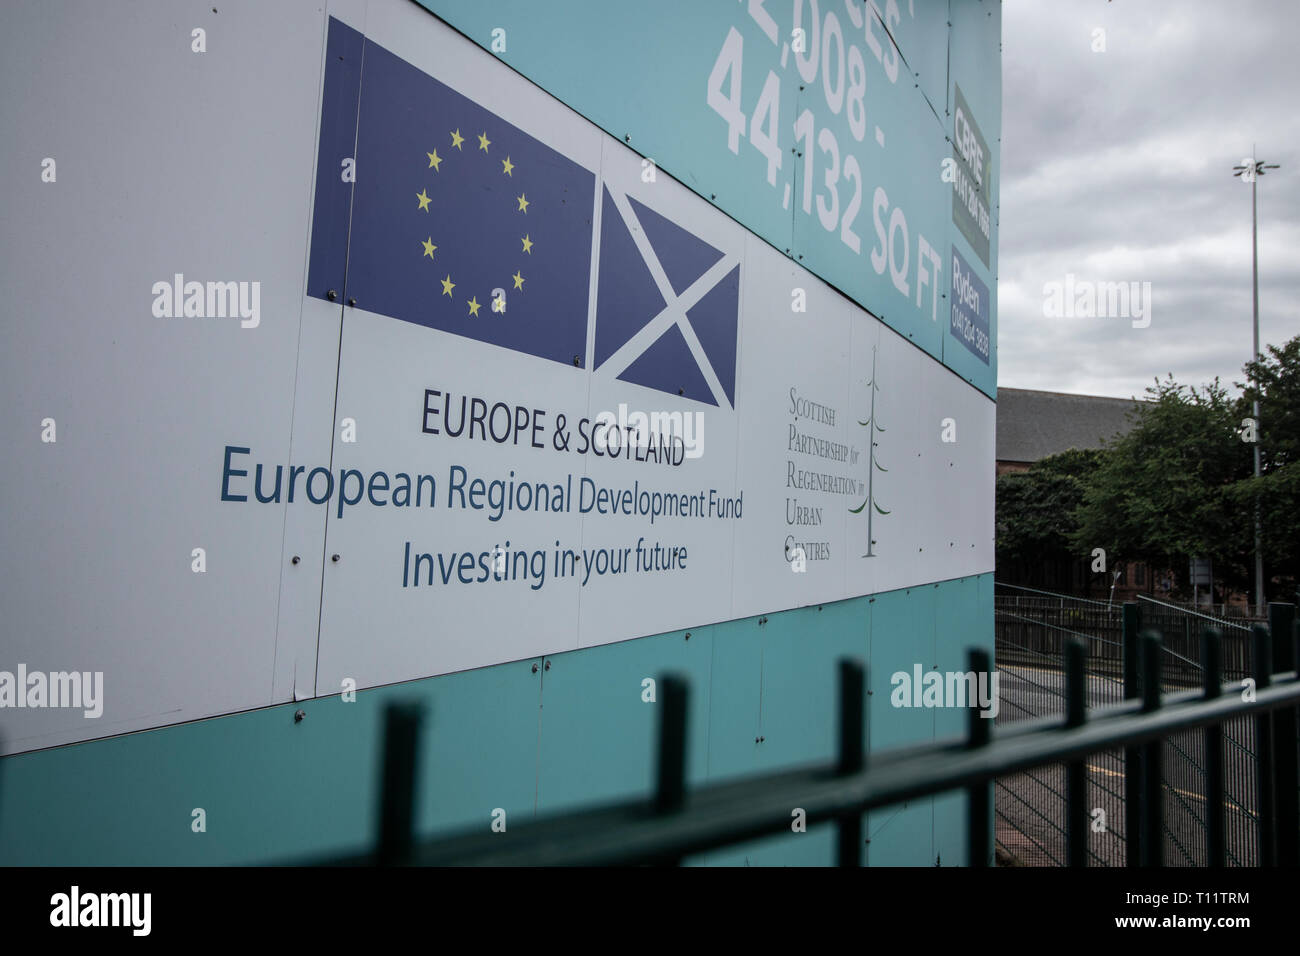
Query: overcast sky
[(1117, 166)]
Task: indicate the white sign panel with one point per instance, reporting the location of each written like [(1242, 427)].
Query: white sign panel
[(722, 435), (499, 388)]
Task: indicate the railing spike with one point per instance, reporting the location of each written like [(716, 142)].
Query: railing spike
[(1215, 831), (401, 762), (1076, 787), (1286, 772), (979, 796), (852, 755), (1132, 623), (670, 787), (1263, 670), (1153, 795), (670, 784)]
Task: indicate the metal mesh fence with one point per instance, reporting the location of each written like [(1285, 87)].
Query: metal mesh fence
[(1032, 629)]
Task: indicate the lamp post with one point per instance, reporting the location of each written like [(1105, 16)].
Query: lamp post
[(1250, 170)]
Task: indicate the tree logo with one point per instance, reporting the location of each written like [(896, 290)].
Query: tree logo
[(870, 505)]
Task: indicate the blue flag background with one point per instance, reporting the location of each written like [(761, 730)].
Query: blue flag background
[(450, 203)]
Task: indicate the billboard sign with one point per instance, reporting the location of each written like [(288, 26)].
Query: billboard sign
[(477, 382), (860, 139)]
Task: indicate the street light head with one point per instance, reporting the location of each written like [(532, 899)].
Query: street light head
[(1251, 168)]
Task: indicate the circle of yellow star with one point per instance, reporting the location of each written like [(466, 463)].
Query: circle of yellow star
[(507, 167), (429, 247), (473, 306), (528, 245), (424, 200), (484, 142), (447, 285), (435, 161), (456, 138), (519, 280), (523, 203)]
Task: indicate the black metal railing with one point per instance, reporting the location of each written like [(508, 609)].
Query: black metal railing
[(1031, 634), (676, 822)]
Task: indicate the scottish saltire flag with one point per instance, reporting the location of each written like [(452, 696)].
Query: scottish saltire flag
[(451, 208), (667, 305)]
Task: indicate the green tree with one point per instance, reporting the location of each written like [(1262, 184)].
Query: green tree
[(1035, 517), (1273, 381), (1162, 491)]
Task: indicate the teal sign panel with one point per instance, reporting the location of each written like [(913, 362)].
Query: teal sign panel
[(833, 129), (517, 742)]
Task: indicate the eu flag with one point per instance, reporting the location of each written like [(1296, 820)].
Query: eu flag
[(452, 209)]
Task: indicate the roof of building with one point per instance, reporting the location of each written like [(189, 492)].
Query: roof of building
[(1032, 425)]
